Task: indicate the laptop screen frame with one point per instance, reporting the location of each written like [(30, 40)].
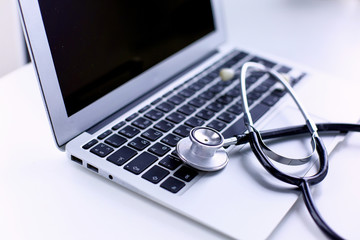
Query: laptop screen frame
[(66, 127)]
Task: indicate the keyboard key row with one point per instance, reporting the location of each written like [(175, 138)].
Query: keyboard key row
[(162, 108)]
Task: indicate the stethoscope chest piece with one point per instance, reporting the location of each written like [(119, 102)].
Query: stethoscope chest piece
[(203, 149)]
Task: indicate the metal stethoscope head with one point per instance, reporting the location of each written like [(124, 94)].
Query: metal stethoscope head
[(204, 148)]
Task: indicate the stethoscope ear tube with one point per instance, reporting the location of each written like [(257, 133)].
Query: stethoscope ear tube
[(300, 129), (254, 140), (267, 164), (303, 183)]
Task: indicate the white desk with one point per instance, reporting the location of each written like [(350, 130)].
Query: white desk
[(45, 196)]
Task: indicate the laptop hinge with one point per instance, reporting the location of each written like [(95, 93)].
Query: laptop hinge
[(150, 93)]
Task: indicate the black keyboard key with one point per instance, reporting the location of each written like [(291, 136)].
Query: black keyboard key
[(104, 134), (194, 122), (185, 173), (156, 101), (154, 114), (168, 94), (269, 82), (297, 79), (115, 140), (226, 83), (227, 117), (141, 123), (271, 100), (216, 88), (90, 144), (175, 117), (229, 63), (225, 100), (172, 184), (235, 92), (215, 107), (205, 80), (265, 62), (186, 109), (238, 127), (207, 95), (155, 174), (177, 100), (182, 131), (196, 86), (151, 134), (213, 75), (239, 56), (284, 69), (131, 117), (139, 143), (186, 93), (121, 156), (164, 125), (250, 101), (258, 111), (279, 92), (118, 125), (171, 140), (254, 77), (261, 88), (165, 107), (170, 162), (129, 131), (174, 153), (144, 109), (140, 163), (217, 125), (159, 149), (197, 102), (205, 114), (254, 95), (102, 150), (235, 109)]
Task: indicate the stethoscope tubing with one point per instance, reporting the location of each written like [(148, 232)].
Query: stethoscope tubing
[(265, 155), (255, 138), (314, 213), (303, 183), (269, 166), (300, 129)]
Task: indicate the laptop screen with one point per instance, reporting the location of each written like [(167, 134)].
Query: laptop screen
[(97, 46)]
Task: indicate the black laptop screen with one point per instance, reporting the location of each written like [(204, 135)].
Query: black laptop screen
[(99, 45)]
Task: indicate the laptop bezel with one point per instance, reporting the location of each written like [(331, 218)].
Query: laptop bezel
[(66, 128)]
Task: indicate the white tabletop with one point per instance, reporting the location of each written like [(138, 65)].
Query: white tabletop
[(46, 196)]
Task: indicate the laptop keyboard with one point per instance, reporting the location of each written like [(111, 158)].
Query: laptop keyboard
[(145, 143)]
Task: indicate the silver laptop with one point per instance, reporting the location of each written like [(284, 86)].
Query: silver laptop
[(122, 84)]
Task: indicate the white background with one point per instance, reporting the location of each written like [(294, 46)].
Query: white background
[(45, 196)]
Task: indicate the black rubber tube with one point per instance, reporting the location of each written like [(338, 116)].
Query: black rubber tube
[(309, 202), (301, 129)]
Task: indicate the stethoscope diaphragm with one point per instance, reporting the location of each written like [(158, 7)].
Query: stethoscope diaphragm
[(203, 149)]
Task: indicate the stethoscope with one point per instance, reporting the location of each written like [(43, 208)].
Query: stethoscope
[(204, 149)]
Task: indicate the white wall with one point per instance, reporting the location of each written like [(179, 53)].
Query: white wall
[(12, 49)]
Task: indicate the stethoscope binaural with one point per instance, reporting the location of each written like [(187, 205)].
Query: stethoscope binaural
[(204, 148)]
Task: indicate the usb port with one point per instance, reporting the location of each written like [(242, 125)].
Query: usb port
[(77, 160), (91, 167)]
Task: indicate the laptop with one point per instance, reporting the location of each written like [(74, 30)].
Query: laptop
[(122, 84)]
